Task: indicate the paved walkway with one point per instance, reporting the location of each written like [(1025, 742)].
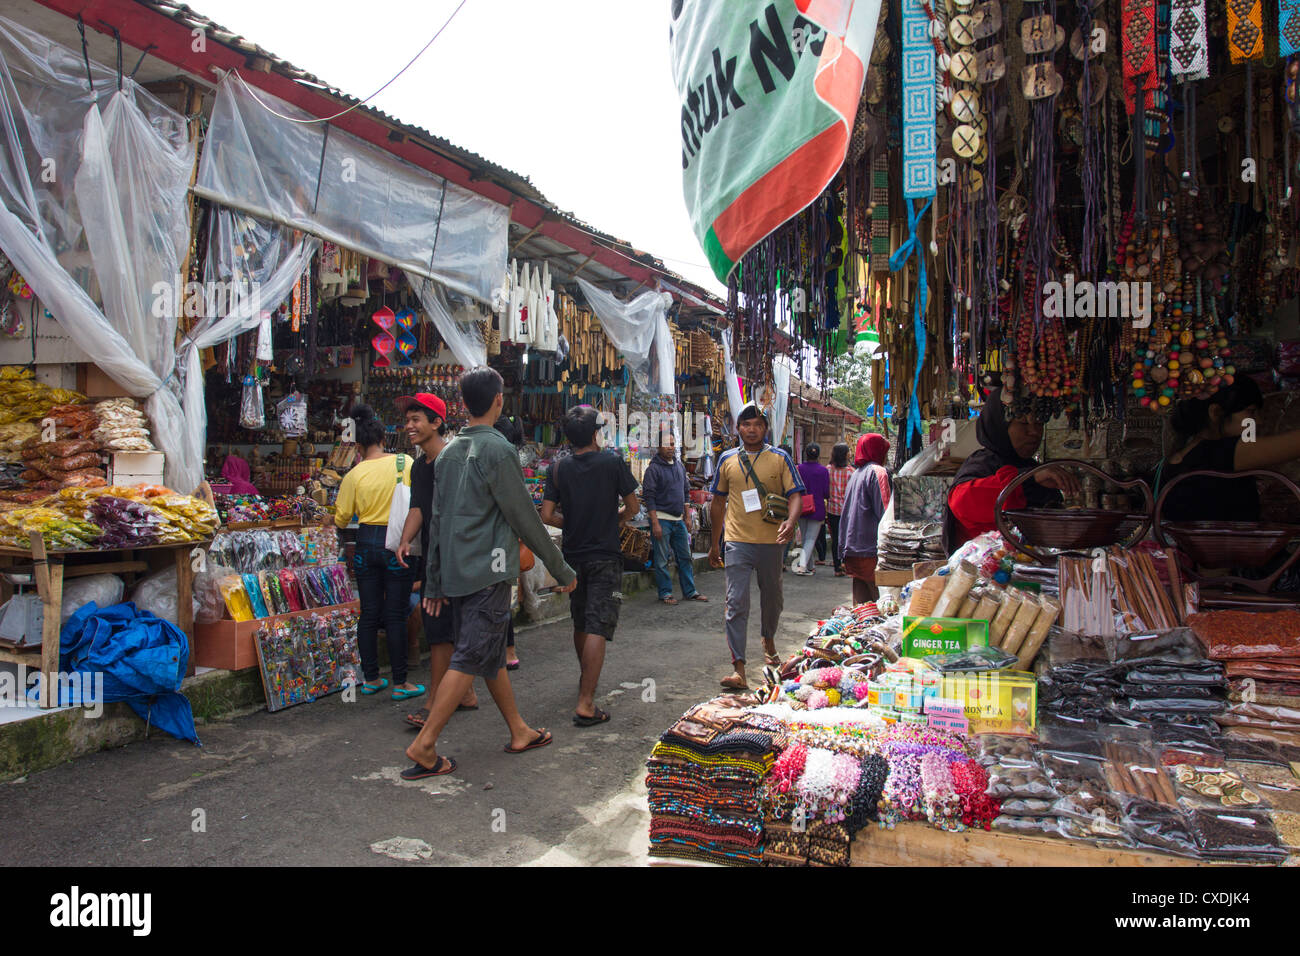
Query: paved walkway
[(318, 784)]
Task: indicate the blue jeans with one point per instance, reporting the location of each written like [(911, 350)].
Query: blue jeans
[(676, 539), (384, 587)]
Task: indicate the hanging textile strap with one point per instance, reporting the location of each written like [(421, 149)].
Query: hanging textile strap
[(1189, 45), (1138, 46), (1250, 100), (896, 263), (1288, 27), (1245, 30)]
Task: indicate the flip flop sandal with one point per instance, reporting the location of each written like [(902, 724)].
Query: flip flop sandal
[(419, 771), (512, 665), (733, 683), (543, 738), (840, 574), (599, 717), (418, 718), (370, 691), (668, 600), (401, 694), (460, 707), (772, 660), (697, 597)]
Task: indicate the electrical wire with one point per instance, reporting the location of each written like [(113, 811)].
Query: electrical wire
[(602, 240), (326, 119)]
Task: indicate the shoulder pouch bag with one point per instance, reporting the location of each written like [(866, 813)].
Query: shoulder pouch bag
[(775, 508)]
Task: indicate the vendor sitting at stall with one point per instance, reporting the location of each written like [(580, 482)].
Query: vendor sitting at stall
[(1007, 447), (1214, 437), (236, 473)]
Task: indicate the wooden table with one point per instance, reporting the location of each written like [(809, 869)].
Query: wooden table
[(51, 568), (918, 844)]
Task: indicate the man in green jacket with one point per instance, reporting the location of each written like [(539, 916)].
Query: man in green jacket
[(481, 511)]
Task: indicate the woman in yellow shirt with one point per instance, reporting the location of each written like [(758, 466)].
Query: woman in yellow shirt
[(382, 582)]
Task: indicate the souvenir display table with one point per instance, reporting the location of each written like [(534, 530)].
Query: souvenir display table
[(51, 568)]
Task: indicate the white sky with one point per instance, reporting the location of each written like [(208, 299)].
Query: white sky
[(576, 95)]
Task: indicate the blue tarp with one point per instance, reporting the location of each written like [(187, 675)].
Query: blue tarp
[(142, 657)]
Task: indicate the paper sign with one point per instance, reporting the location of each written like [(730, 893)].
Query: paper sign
[(924, 636), (947, 714), (956, 725)]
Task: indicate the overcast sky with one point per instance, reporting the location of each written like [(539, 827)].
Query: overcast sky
[(577, 95)]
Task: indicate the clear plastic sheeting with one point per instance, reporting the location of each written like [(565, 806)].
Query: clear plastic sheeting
[(780, 401), (250, 268), (734, 399), (639, 330), (455, 317), (93, 214), (318, 179)]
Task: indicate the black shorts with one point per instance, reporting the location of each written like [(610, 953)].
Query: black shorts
[(595, 602), (480, 621), (438, 629)]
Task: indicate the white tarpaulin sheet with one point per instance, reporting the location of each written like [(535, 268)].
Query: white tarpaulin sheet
[(639, 330), (94, 215), (329, 183)]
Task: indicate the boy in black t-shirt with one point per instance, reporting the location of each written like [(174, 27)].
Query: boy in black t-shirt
[(588, 487)]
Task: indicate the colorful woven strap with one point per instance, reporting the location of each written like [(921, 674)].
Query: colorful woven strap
[(1245, 30), (912, 246), (919, 146), (1188, 50), (880, 212), (1288, 27), (1138, 31)]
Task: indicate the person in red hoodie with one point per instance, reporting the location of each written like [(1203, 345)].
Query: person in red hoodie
[(1007, 448)]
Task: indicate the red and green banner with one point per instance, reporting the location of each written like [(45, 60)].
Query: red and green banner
[(769, 91)]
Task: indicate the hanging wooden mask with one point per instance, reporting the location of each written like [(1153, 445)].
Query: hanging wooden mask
[(990, 19), (1040, 81), (990, 64), (1038, 34)]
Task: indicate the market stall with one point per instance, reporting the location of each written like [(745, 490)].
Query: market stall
[(1008, 713)]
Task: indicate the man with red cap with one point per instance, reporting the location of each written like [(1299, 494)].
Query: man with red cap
[(426, 427)]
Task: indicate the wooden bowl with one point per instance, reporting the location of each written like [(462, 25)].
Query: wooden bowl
[(1072, 530), (1231, 544)]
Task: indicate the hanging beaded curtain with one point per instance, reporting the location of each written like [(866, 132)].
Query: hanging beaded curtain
[(791, 282)]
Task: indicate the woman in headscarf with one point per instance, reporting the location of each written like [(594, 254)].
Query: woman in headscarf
[(236, 472), (865, 500), (1007, 448)]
